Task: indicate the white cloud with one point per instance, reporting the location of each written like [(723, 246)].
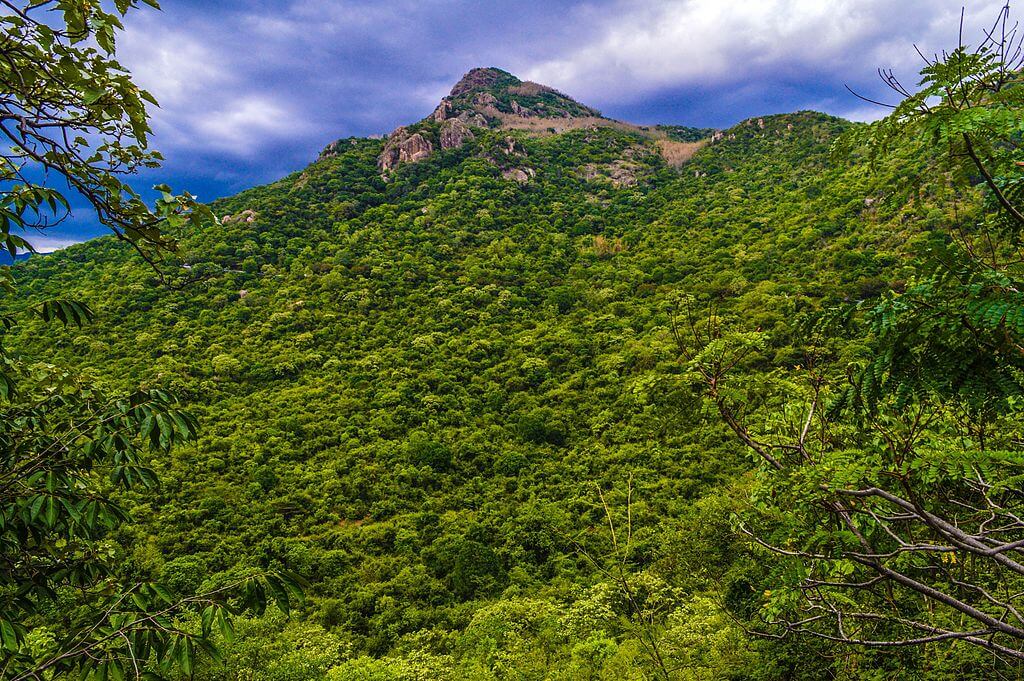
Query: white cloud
[(862, 114), (48, 244), (240, 123), (207, 100), (174, 65), (644, 47)]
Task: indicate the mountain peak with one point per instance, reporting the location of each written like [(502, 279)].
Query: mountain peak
[(480, 79), (493, 94), (485, 98), (489, 98)]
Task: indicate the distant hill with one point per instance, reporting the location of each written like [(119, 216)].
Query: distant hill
[(417, 360), (7, 259)]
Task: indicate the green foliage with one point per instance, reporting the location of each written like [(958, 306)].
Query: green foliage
[(682, 133), (889, 457), (72, 111), (67, 605), (411, 402), (73, 449), (407, 391)]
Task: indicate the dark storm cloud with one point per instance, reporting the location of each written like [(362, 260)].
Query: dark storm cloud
[(267, 84)]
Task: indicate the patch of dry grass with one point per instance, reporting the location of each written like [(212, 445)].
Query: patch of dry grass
[(530, 89), (676, 154), (606, 248)]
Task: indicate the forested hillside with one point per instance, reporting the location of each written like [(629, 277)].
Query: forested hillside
[(426, 389)]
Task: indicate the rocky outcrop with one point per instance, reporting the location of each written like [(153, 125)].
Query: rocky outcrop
[(518, 109), (520, 175), (621, 173), (443, 111), (248, 216), (403, 147), (468, 117), (455, 133), (474, 118), (513, 147), (510, 157), (485, 99), (497, 94)]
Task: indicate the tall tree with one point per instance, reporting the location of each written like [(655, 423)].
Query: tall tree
[(891, 485), (76, 126)]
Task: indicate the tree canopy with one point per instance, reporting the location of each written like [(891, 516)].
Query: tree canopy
[(617, 420), (75, 126)]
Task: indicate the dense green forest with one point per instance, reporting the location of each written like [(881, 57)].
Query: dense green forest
[(413, 392), (522, 392)]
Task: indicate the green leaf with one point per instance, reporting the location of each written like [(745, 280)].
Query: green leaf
[(8, 636)]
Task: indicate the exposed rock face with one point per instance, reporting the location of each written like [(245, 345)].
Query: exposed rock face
[(443, 111), (485, 99), (520, 175), (513, 147), (403, 147), (496, 94), (454, 134), (474, 119), (509, 158), (414, 148), (620, 173), (248, 216), (518, 110)]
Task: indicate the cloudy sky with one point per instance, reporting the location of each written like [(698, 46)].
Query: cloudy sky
[(252, 89)]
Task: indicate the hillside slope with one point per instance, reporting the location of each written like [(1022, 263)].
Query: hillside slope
[(413, 378)]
